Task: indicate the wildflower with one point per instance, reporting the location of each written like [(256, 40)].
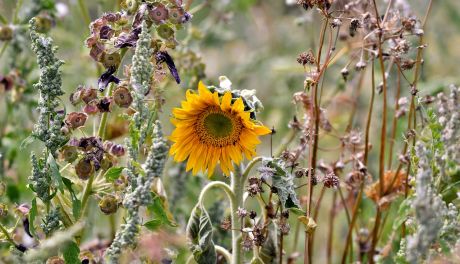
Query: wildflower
[(210, 129), (91, 108), (226, 224), (252, 214), (105, 105), (88, 95), (84, 168), (241, 212), (108, 204), (177, 15), (110, 59), (106, 78), (163, 56), (69, 153), (117, 150), (122, 97), (75, 120), (247, 243), (158, 14)]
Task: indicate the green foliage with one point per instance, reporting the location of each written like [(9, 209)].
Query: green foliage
[(199, 236)]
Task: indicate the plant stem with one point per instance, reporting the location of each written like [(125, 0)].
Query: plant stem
[(237, 186), (84, 11)]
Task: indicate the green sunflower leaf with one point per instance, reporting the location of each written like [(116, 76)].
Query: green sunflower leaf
[(199, 236)]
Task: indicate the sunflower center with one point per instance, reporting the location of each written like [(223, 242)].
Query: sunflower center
[(218, 128)]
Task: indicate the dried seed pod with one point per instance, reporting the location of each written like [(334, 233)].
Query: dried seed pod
[(108, 204), (84, 168), (130, 6), (110, 59), (177, 15), (6, 33), (122, 97), (75, 120), (88, 95), (69, 153), (55, 260), (159, 13), (165, 31), (91, 108)]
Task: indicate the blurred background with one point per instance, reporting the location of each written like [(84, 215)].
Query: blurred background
[(255, 44)]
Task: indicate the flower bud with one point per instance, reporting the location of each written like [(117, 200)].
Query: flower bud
[(75, 120), (108, 204), (117, 150), (122, 97), (159, 13), (110, 60), (3, 210), (44, 23), (6, 33), (55, 260), (165, 31), (69, 153), (84, 168)]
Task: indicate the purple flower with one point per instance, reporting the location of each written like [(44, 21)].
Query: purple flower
[(128, 39), (163, 56), (106, 78)]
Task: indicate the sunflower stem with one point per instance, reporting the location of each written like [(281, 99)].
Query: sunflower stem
[(237, 186)]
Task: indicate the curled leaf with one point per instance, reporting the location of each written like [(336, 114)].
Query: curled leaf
[(199, 236)]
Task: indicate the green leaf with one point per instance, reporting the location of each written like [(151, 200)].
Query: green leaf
[(113, 173), (297, 211), (159, 208), (268, 252), (153, 224), (71, 253), (284, 183), (12, 191), (199, 236), (26, 142), (55, 174), (32, 214), (76, 204)]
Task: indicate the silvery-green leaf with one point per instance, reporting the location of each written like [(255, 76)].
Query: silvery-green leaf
[(199, 236)]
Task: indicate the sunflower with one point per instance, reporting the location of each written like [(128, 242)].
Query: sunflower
[(212, 129)]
